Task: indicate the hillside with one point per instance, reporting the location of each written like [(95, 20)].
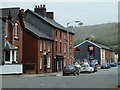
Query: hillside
[(104, 33)]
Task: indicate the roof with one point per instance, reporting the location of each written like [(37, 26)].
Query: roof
[(94, 43), (6, 12), (9, 46), (35, 31), (51, 22)]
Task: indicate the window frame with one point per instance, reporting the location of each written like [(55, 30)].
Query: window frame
[(41, 45), (41, 58), (16, 30), (48, 61)]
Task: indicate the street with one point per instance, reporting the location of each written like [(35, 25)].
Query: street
[(104, 78)]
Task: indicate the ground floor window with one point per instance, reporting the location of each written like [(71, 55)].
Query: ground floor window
[(48, 62), (40, 62)]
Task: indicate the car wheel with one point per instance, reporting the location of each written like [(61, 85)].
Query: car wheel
[(74, 73), (64, 74), (90, 71), (77, 73)]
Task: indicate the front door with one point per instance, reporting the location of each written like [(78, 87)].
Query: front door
[(45, 64)]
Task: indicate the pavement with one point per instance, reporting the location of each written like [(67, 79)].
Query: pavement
[(32, 75)]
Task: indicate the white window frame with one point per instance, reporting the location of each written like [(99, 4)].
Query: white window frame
[(16, 54), (41, 45), (48, 62), (16, 30), (11, 57), (44, 45), (64, 61), (65, 47), (40, 62), (6, 29), (48, 46)]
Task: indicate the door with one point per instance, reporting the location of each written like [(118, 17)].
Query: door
[(45, 64), (7, 55)]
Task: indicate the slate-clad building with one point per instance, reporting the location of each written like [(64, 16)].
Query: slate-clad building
[(93, 51)]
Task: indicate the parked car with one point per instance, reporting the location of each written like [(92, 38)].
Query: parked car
[(105, 66), (86, 68), (94, 63), (71, 69), (77, 65), (113, 64), (118, 63)]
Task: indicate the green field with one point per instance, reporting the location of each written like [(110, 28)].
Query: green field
[(104, 33)]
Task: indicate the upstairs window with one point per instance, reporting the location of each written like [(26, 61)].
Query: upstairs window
[(65, 47), (48, 46), (41, 45), (16, 31), (44, 45), (6, 29)]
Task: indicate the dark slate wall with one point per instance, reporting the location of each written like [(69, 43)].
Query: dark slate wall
[(40, 24), (84, 54)]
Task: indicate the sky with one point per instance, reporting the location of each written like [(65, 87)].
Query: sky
[(89, 12)]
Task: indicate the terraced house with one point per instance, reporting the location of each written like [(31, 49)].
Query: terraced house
[(36, 41), (50, 49)]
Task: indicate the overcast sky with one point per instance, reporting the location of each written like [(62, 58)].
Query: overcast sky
[(90, 13)]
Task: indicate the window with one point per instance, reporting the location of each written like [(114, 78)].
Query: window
[(56, 45), (6, 29), (17, 55), (65, 35), (64, 62), (44, 46), (40, 62), (40, 45), (48, 62), (60, 34), (60, 47), (70, 48), (65, 47), (56, 32), (16, 31), (48, 46)]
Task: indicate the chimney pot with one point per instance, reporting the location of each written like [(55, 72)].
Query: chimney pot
[(43, 5), (40, 6)]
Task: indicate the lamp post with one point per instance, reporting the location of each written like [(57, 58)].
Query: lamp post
[(80, 23)]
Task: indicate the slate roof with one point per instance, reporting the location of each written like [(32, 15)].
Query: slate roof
[(96, 44), (52, 22), (6, 12), (35, 31), (9, 46), (103, 46)]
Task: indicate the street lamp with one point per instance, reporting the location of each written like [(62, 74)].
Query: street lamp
[(80, 23)]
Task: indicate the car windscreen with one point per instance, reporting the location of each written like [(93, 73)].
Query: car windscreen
[(84, 65)]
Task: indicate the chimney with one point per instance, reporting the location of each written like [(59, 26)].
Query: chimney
[(41, 10), (50, 15), (22, 14)]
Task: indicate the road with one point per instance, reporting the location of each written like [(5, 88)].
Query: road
[(104, 78)]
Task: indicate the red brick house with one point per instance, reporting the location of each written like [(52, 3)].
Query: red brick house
[(36, 40), (12, 31), (45, 42)]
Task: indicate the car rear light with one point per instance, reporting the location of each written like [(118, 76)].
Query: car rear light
[(72, 69)]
